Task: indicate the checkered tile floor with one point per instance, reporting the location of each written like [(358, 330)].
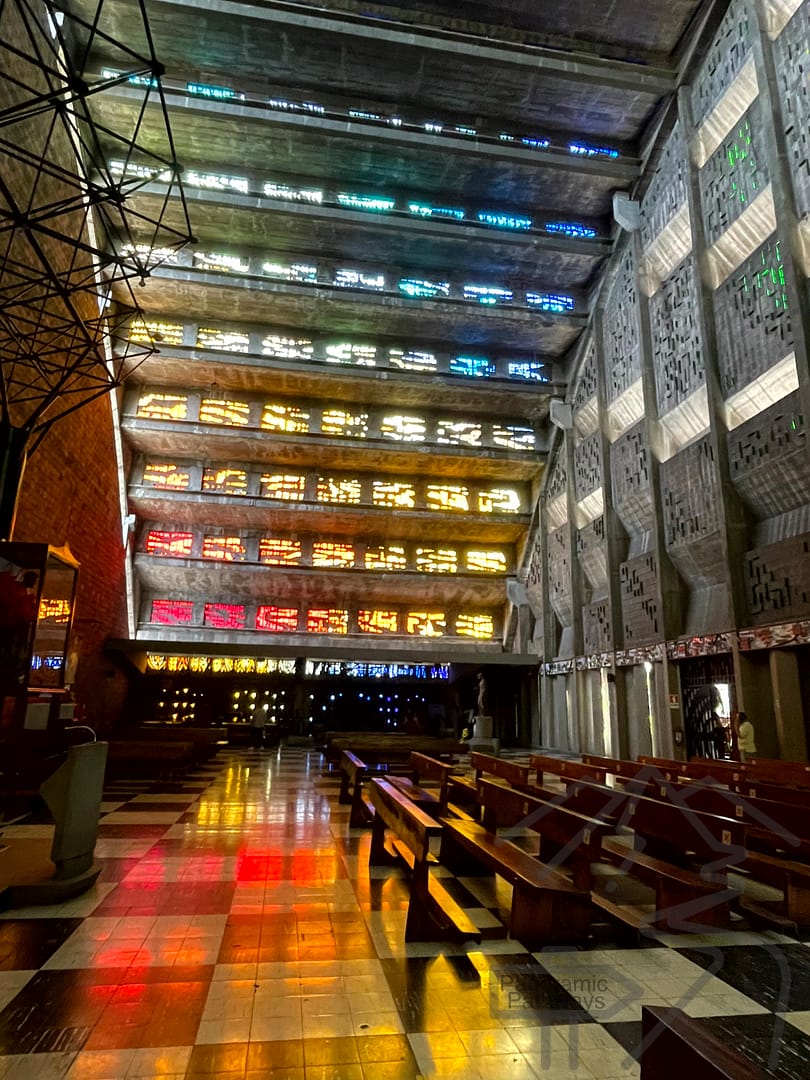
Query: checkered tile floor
[(236, 931)]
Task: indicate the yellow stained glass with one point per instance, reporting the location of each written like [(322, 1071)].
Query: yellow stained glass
[(327, 621), (226, 340), (489, 562), (227, 548), (385, 557), (341, 422), (499, 501), (391, 493), (447, 497), (436, 560), (285, 486), (163, 407), (329, 489), (232, 481), (426, 623), (287, 418), (334, 555), (162, 475), (456, 433), (223, 411), (403, 428), (378, 622), (476, 626), (152, 332), (274, 551)]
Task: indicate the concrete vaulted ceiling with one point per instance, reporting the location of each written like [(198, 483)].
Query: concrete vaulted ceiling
[(470, 105)]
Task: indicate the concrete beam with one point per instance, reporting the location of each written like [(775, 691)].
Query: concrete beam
[(561, 63)]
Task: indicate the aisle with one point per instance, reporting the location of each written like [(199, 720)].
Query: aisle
[(235, 932)]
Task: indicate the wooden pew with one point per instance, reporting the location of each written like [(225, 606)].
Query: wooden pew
[(773, 771), (760, 789), (353, 772), (566, 837), (464, 789), (441, 773), (675, 1046), (376, 746), (566, 770), (724, 772), (682, 854), (207, 741), (546, 906), (627, 770), (432, 913)]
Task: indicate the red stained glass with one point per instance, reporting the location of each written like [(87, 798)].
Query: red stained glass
[(225, 616), (175, 544), (172, 612), (277, 620)]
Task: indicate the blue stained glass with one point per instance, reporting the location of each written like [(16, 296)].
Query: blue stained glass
[(425, 210), (218, 93), (487, 294), (503, 221), (532, 370), (479, 367), (365, 202), (550, 301), (423, 290), (570, 228), (585, 150), (537, 144)]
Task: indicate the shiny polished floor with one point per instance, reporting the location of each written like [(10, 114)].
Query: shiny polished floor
[(236, 932)]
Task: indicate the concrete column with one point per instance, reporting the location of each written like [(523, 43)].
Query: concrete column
[(787, 703)]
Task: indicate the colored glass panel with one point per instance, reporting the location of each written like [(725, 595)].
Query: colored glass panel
[(378, 622), (276, 620), (164, 475), (175, 544), (403, 428), (230, 481), (150, 331), (224, 616), (426, 623), (499, 500), (287, 348), (172, 612), (326, 553), (340, 422), (327, 621), (385, 557), (458, 433), (392, 493), (226, 340), (512, 437), (475, 626), (332, 490), (223, 411), (163, 407), (436, 560), (487, 562), (285, 486), (447, 497), (275, 551), (287, 418), (226, 548)]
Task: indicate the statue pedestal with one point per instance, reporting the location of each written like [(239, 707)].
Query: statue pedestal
[(485, 746), (482, 727)]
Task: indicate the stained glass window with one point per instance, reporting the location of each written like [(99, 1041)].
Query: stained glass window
[(326, 553), (333, 490), (222, 411), (488, 562), (393, 493), (403, 428), (275, 551), (287, 418), (54, 611), (164, 475), (347, 279), (230, 481), (458, 433), (276, 620), (226, 340), (385, 557), (513, 437), (224, 616), (328, 621), (161, 333), (226, 548), (426, 623), (378, 622), (172, 612), (163, 407), (478, 367), (447, 497), (344, 352), (531, 370), (476, 626), (412, 360), (436, 560), (175, 544), (287, 486), (499, 501), (341, 422), (287, 348), (218, 261), (296, 272)]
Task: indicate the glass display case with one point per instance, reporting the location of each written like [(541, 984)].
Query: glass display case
[(37, 598)]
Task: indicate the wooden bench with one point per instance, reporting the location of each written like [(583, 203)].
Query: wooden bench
[(567, 838), (163, 759), (464, 789), (566, 770), (546, 907), (376, 747), (674, 1046), (425, 768), (774, 771), (207, 741), (760, 789), (684, 856), (432, 913)]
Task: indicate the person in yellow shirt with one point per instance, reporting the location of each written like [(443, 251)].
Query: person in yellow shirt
[(746, 743)]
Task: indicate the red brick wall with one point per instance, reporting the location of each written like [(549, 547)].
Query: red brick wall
[(70, 496)]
